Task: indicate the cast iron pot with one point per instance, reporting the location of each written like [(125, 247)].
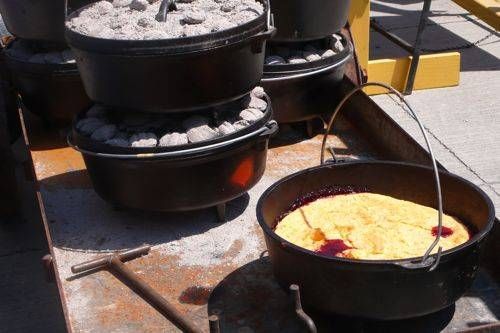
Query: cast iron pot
[(41, 20), (303, 91), (179, 178), (379, 289), (302, 20), (53, 91), (178, 74), (382, 289)]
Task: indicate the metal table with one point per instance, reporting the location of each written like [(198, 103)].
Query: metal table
[(200, 265)]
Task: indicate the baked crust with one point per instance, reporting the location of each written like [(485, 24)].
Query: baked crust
[(372, 226)]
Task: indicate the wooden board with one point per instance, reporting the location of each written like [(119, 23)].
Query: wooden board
[(486, 10), (359, 21), (434, 71)]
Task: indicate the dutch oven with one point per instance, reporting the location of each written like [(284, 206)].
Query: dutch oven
[(379, 289), (303, 20), (178, 74), (303, 91), (53, 91), (40, 20), (180, 178)]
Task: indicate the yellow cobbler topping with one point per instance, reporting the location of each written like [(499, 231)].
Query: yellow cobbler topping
[(369, 226)]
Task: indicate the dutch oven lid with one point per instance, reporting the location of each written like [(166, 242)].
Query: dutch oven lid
[(27, 66), (88, 144), (173, 45)]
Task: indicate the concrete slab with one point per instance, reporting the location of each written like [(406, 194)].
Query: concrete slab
[(463, 122)]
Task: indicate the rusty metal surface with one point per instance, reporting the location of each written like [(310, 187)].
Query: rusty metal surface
[(199, 265)]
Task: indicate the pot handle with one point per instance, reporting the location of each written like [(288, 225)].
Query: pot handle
[(257, 40), (272, 128), (427, 261)]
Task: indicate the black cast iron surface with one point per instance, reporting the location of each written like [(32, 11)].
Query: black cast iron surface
[(385, 289), (173, 74)]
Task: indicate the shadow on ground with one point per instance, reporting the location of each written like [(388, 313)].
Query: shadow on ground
[(436, 37)]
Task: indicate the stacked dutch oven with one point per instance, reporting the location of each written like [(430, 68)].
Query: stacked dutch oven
[(43, 68), (305, 60), (179, 122)]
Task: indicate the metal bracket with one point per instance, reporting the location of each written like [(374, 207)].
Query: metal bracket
[(311, 326), (48, 264)]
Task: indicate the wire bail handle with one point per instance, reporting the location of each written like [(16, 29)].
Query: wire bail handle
[(426, 261)]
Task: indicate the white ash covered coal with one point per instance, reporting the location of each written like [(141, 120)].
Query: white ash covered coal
[(25, 51), (147, 130), (303, 53), (136, 19)]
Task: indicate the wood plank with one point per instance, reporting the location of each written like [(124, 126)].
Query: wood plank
[(359, 21), (486, 10), (434, 71)]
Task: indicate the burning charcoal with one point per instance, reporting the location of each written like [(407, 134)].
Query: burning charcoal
[(256, 103), (155, 34), (327, 54), (117, 142), (121, 3), (146, 22), (201, 133), (338, 46), (311, 56), (203, 17), (143, 140), (228, 6), (258, 92), (139, 5), (296, 60), (104, 133), (195, 30), (221, 24), (173, 139), (103, 7), (251, 6), (241, 124), (88, 125), (194, 17), (251, 115), (96, 111), (226, 128), (274, 60), (194, 121)]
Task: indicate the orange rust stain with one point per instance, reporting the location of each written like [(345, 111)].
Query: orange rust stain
[(61, 167), (196, 295), (234, 249), (187, 288), (243, 173)]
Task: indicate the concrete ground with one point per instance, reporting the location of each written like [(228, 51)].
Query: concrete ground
[(463, 123)]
